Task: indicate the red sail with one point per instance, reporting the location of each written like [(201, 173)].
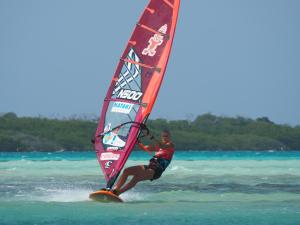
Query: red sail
[(135, 85)]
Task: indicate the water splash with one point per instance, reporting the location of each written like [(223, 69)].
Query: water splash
[(63, 195)]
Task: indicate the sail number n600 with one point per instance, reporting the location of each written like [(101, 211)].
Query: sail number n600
[(129, 94)]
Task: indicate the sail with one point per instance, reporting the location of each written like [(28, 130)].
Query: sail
[(134, 86)]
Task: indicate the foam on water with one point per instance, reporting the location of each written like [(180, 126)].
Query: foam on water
[(132, 196), (64, 195)]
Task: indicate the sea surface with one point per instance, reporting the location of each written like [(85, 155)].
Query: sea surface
[(202, 187)]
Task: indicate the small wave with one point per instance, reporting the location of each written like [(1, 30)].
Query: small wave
[(62, 150)]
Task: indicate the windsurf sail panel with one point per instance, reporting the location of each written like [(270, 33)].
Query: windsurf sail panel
[(134, 86)]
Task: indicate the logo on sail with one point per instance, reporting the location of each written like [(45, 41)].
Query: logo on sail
[(112, 138), (155, 41), (108, 164), (109, 156), (121, 107)]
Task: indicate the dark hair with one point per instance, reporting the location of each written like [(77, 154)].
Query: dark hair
[(166, 131)]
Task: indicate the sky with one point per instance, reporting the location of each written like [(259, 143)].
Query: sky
[(229, 58)]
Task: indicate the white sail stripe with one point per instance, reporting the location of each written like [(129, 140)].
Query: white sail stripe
[(129, 75), (121, 82), (136, 73), (125, 78), (132, 76), (127, 71), (136, 59), (125, 82)]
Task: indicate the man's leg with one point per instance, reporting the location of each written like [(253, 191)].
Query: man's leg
[(127, 172), (139, 173)]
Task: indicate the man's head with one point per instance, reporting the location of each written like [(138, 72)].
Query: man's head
[(165, 136)]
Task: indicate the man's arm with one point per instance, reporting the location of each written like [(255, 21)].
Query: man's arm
[(147, 148)]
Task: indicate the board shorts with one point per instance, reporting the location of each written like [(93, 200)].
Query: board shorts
[(158, 165)]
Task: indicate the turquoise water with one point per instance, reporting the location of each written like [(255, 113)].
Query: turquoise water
[(210, 187)]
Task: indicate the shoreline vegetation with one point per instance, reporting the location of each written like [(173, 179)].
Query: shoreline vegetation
[(205, 132)]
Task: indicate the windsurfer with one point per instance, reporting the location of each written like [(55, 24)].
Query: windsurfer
[(164, 150)]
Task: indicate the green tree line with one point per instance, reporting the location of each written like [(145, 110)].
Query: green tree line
[(205, 132)]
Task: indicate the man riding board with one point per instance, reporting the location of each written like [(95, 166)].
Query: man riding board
[(164, 150)]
